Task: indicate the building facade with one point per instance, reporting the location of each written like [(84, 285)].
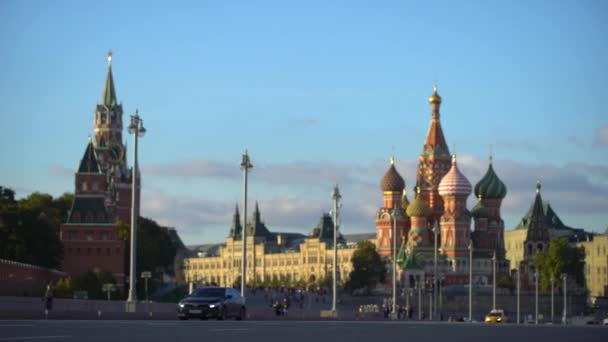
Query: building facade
[(596, 265), (273, 258), (102, 195)]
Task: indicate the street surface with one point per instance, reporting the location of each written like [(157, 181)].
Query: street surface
[(309, 331)]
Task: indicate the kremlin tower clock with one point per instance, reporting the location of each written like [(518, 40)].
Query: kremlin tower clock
[(102, 196)]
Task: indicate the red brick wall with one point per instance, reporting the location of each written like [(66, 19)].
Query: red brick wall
[(85, 249), (18, 279)]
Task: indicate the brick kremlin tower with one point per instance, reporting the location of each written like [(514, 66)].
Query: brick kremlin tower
[(394, 198), (102, 195)]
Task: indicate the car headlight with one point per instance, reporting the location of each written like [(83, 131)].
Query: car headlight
[(181, 305), (499, 319), (213, 305)]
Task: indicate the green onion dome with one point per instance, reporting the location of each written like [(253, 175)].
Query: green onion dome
[(480, 210), (490, 186), (418, 207)]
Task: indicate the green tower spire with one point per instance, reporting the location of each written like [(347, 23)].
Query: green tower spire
[(109, 93)]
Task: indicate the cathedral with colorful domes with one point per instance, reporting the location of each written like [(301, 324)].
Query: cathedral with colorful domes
[(438, 218)]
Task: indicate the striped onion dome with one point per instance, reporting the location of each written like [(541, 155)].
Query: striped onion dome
[(454, 183), (392, 180), (490, 186), (418, 207)]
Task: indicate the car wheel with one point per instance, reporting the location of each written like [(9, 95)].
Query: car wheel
[(241, 315), (222, 314), (183, 318)]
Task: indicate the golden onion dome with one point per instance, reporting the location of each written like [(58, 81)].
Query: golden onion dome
[(435, 98)]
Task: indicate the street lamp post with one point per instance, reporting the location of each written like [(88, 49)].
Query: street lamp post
[(396, 216), (335, 195), (536, 296), (494, 281), (552, 300), (137, 129), (518, 289), (470, 280), (245, 166), (565, 285), (419, 286), (436, 232)]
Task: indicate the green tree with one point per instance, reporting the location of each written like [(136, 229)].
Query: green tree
[(7, 195), (28, 235), (64, 288), (561, 258), (92, 282), (368, 267), (155, 251), (504, 281)]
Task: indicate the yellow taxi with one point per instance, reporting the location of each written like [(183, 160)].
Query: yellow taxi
[(496, 316)]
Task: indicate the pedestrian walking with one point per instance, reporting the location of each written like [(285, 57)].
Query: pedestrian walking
[(48, 300)]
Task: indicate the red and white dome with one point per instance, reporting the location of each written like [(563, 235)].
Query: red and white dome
[(454, 183)]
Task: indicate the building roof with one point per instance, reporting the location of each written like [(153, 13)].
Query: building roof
[(236, 229), (535, 222), (89, 162), (411, 263), (324, 230), (553, 223), (257, 228), (84, 206), (108, 98)]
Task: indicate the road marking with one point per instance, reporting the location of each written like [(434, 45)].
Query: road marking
[(237, 329), (30, 338), (162, 324), (16, 325)]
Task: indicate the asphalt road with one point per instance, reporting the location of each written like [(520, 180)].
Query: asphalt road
[(310, 331)]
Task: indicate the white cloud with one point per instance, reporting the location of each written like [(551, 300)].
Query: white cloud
[(573, 189)]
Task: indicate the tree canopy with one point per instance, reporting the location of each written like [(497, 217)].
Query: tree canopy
[(29, 228), (561, 258), (368, 267)]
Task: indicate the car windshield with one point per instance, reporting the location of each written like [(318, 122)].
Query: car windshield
[(209, 292), (494, 314)]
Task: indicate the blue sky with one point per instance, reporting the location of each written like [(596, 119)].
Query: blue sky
[(318, 91)]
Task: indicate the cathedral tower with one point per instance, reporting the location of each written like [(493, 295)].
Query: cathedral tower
[(491, 191), (419, 237), (434, 161), (537, 236), (454, 188), (392, 186)]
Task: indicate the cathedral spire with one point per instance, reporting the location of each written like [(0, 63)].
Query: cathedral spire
[(109, 93), (236, 229)]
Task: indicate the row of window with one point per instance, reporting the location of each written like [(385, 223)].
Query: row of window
[(89, 236), (89, 217), (89, 251), (599, 270)]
